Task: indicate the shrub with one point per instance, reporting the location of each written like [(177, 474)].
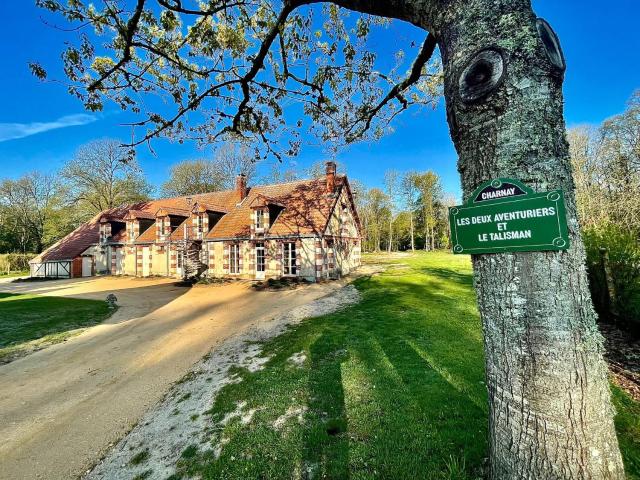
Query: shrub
[(15, 262), (624, 260)]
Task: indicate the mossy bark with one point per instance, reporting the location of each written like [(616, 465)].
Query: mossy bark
[(550, 410)]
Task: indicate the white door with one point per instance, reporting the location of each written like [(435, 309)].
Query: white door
[(145, 261), (179, 264), (260, 261), (119, 261), (87, 266)]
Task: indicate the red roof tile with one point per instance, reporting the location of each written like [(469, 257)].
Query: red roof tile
[(178, 233), (148, 236), (307, 208), (75, 243), (178, 212)]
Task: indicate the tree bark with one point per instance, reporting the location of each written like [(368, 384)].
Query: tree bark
[(413, 244), (550, 410)]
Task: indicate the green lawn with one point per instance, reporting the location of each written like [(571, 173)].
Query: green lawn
[(14, 274), (390, 388), (29, 322)]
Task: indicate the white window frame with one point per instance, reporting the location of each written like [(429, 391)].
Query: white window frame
[(259, 219), (234, 259), (199, 225), (289, 259), (260, 247)]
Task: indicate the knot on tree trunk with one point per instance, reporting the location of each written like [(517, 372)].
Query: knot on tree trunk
[(551, 46), (482, 74)]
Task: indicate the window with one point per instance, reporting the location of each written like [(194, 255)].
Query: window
[(259, 257), (234, 258), (289, 258), (259, 219), (199, 224), (132, 233)]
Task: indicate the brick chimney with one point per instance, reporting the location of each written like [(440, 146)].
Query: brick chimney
[(241, 186), (331, 177)]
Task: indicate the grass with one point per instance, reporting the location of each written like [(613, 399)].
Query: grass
[(389, 388), (628, 428), (13, 274), (393, 388), (139, 457), (30, 322)]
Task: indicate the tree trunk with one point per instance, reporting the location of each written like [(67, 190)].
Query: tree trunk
[(413, 245), (550, 410)]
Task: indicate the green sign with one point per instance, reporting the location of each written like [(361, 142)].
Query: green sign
[(504, 215)]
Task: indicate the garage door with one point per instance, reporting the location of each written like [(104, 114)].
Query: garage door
[(145, 261), (87, 266), (119, 261)]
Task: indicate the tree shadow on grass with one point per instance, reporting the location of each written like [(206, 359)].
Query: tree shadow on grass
[(461, 278), (326, 444), (393, 389)]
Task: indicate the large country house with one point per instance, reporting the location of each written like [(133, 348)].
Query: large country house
[(308, 229)]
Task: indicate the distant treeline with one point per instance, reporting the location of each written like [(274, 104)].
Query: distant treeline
[(410, 213), (606, 162)]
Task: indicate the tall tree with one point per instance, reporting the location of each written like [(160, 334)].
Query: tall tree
[(606, 169), (318, 169), (279, 174), (589, 174), (410, 198), (375, 211), (430, 192), (391, 185), (28, 206), (549, 400), (191, 177), (102, 175), (233, 159)]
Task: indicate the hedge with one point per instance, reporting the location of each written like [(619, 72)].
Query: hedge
[(15, 262)]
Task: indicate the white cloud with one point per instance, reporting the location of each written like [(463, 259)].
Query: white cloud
[(11, 131)]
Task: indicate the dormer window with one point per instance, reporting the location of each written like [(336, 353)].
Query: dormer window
[(259, 219)]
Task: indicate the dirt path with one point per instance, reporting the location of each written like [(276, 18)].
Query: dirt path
[(62, 407)]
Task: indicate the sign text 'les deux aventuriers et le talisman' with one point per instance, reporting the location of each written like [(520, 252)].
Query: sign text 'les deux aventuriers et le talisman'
[(504, 215)]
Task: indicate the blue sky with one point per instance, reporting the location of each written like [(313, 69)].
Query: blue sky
[(41, 126)]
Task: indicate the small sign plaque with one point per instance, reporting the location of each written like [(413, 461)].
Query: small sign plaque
[(504, 215)]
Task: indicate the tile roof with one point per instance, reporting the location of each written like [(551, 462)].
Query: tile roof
[(148, 236), (178, 233), (75, 243), (307, 208), (133, 213), (178, 212), (202, 206), (119, 237)]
